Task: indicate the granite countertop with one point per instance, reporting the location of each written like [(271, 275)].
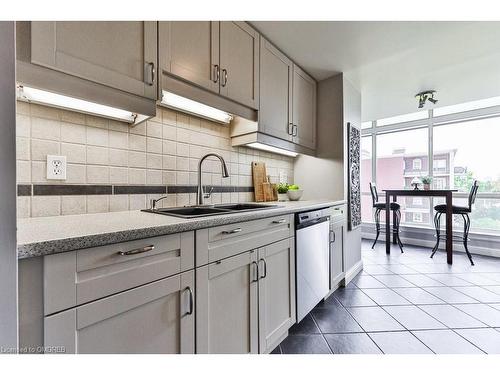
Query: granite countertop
[(50, 235)]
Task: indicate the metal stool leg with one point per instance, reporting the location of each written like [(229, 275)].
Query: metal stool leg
[(466, 236), (377, 225), (437, 225), (398, 221)]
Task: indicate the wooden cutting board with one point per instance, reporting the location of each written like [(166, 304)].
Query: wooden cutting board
[(259, 177)]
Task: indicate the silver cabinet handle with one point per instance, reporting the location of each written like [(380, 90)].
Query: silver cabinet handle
[(216, 73), (150, 74), (191, 301), (332, 237), (235, 230), (265, 268), (256, 271), (280, 221), (290, 129), (224, 76), (295, 130), (144, 249)]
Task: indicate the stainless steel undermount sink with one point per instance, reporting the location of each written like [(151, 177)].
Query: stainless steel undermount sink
[(201, 211)]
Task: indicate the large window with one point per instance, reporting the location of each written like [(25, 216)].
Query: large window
[(470, 148), (463, 141), (401, 156), (366, 178)]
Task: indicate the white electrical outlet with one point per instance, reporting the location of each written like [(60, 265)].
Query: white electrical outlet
[(283, 177), (56, 167)]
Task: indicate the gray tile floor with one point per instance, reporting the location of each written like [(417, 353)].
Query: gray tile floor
[(407, 303)]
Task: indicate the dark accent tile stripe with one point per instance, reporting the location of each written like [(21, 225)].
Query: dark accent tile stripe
[(27, 190), (179, 189), (184, 189), (23, 190), (72, 189), (139, 189)]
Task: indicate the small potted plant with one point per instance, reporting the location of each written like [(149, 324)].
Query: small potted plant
[(426, 180), (282, 190)]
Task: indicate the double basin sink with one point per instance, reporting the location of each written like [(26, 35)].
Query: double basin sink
[(201, 211)]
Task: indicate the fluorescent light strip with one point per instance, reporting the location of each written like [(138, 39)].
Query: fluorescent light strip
[(187, 105), (51, 99), (277, 150)]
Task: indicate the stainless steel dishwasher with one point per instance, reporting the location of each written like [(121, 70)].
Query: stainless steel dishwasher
[(312, 259)]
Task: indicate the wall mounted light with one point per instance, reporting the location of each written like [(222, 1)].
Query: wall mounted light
[(33, 95), (276, 150), (425, 95), (183, 104)]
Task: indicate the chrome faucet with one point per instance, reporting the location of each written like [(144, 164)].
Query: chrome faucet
[(200, 195), (154, 202)]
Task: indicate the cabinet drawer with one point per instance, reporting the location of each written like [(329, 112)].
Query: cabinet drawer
[(81, 276), (337, 214), (220, 242), (154, 318)]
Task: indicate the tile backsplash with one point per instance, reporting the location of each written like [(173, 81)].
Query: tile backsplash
[(112, 166)]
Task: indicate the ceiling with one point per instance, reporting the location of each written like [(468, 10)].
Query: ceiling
[(390, 62)]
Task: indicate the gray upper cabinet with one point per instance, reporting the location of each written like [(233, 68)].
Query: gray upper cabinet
[(239, 63), (190, 50), (304, 108), (222, 57), (121, 55), (227, 306), (154, 318), (276, 292), (275, 114)]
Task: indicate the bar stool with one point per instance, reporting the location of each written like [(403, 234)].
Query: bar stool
[(456, 210), (380, 206)]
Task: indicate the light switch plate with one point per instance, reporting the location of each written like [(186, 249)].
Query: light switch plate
[(56, 167)]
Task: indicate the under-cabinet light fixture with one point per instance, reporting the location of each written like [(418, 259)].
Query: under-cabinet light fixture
[(276, 150), (190, 106), (32, 95)]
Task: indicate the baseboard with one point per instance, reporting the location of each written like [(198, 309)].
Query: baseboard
[(353, 272), (430, 244)]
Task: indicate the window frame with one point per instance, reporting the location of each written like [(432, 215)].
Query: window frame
[(429, 123)]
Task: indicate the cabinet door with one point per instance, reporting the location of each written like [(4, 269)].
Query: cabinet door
[(276, 292), (336, 255), (155, 318), (239, 61), (304, 108), (275, 112), (227, 314), (121, 55), (190, 50)]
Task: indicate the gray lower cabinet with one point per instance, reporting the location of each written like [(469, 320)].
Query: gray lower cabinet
[(190, 50), (275, 114), (304, 109), (154, 318), (276, 293), (336, 255), (227, 300), (120, 55), (246, 303)]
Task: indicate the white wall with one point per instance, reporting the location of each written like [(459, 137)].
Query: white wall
[(8, 252)]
